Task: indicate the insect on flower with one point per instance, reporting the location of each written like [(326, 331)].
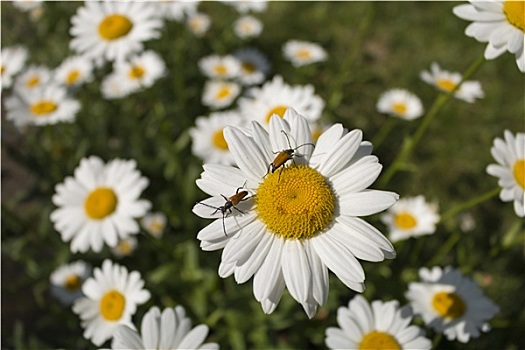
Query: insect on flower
[(284, 156), (230, 203)]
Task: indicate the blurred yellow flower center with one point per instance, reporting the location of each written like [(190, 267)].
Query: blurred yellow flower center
[(303, 53), (219, 141), (379, 341), (220, 69), (446, 85), (448, 305), (100, 203), (399, 108), (1, 69), (72, 77), (43, 107), (405, 221), (316, 132), (223, 92), (125, 248), (248, 67), (157, 226), (279, 110), (519, 172), (72, 283), (295, 202), (114, 26), (136, 72), (112, 305), (515, 12), (33, 81)]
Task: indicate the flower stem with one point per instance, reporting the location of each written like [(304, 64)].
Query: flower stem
[(383, 132), (445, 248), (470, 203)]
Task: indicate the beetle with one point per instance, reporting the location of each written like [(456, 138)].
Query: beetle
[(284, 156), (231, 203)]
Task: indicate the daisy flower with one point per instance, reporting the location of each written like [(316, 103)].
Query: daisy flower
[(275, 97), (411, 217), (99, 204), (299, 221), (302, 53), (31, 78), (400, 103), (44, 105), (168, 330), (154, 224), (125, 247), (111, 30), (198, 23), (220, 94), (12, 61), (254, 66), (500, 23), (220, 67), (207, 136), (66, 281), (111, 298), (451, 303), (246, 27), (509, 153), (74, 71), (177, 10), (446, 81), (381, 325), (139, 71), (245, 6), (112, 87), (27, 5)]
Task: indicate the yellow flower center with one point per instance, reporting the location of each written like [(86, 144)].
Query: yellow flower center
[(399, 108), (100, 203), (248, 67), (448, 305), (114, 26), (220, 69), (515, 12), (125, 248), (136, 72), (156, 227), (405, 221), (279, 110), (72, 283), (219, 141), (72, 77), (519, 172), (1, 69), (43, 107), (33, 81), (303, 53), (112, 305), (379, 341), (223, 93), (446, 85), (295, 202)]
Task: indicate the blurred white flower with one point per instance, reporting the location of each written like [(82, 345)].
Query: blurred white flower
[(177, 10), (66, 281), (255, 67), (74, 71), (302, 53), (125, 247), (31, 78), (13, 59), (245, 6), (154, 224), (220, 94), (246, 27), (220, 67), (27, 5), (400, 103), (198, 23)]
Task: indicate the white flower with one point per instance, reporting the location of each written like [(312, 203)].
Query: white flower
[(167, 331), (302, 53), (400, 103), (177, 10), (382, 325), (207, 136), (220, 94), (74, 71), (43, 105), (220, 67), (254, 66), (246, 27), (111, 30), (112, 88), (245, 6), (291, 225), (447, 81), (32, 78), (111, 298), (12, 61), (411, 217), (198, 23), (275, 96), (66, 281), (125, 247), (154, 224), (99, 204), (500, 23), (451, 303), (510, 155), (27, 5)]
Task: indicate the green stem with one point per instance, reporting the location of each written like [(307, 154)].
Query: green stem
[(445, 248), (470, 203), (383, 132)]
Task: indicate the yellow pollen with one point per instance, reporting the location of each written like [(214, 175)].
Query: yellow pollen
[(448, 305), (114, 27), (399, 108), (112, 305), (43, 107), (33, 81), (446, 85), (100, 203), (248, 67), (515, 13), (136, 72), (72, 77), (519, 172), (279, 110), (223, 93), (405, 221), (220, 69), (295, 202), (219, 141), (376, 340), (303, 53), (72, 283)]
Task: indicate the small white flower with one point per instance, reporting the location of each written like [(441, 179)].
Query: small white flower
[(43, 105), (451, 303), (170, 330), (74, 71), (246, 27), (302, 53), (32, 78), (382, 325), (125, 247), (499, 23), (27, 5), (99, 204), (509, 153), (12, 61), (446, 81), (112, 87), (254, 66), (198, 23), (66, 281), (411, 217), (220, 94), (154, 224), (220, 67), (111, 298), (245, 6), (400, 103), (177, 10)]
